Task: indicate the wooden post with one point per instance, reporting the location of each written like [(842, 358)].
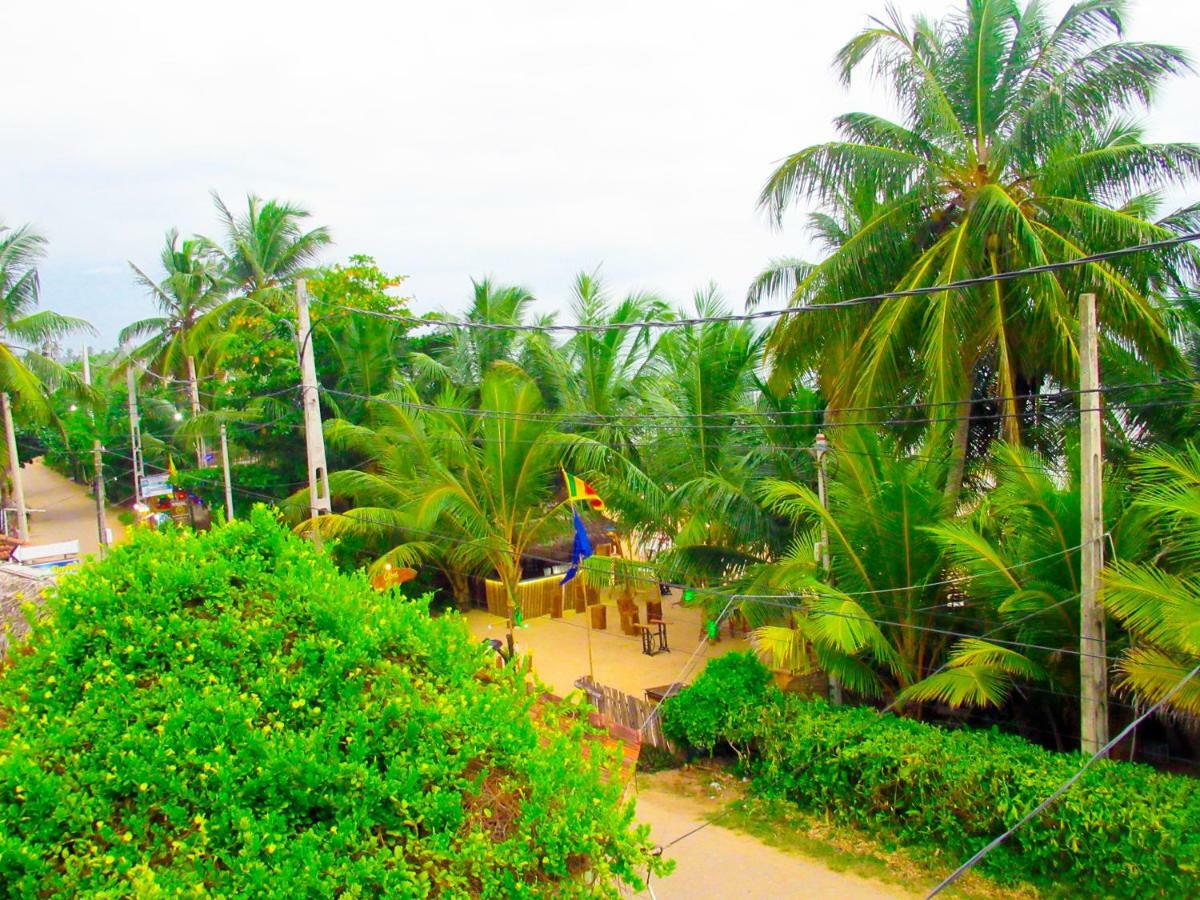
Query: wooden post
[(819, 450), (194, 398), (14, 468), (135, 433), (97, 465), (228, 480), (1093, 646), (314, 438)]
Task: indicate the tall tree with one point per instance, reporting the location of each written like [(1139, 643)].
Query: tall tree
[(192, 291), (267, 246), (1013, 150), (27, 335)]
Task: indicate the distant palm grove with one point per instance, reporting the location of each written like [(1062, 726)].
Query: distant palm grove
[(941, 575)]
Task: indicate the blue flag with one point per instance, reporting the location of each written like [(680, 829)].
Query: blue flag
[(581, 551)]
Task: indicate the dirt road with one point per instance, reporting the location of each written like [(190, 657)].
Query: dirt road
[(69, 510), (717, 862)]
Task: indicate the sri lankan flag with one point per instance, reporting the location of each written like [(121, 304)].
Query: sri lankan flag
[(579, 491)]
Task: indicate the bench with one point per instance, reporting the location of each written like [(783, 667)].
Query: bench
[(62, 551)]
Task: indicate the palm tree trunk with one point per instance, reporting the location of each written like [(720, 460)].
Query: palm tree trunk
[(958, 452), (194, 396)]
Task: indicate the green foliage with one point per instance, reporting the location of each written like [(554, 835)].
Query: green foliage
[(1159, 601), (717, 705), (253, 482), (1013, 147), (227, 713), (1123, 829)]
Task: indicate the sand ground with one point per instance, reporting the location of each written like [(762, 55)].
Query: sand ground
[(719, 862), (69, 510), (559, 648)]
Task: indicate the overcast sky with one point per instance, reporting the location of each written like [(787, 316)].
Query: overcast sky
[(526, 140)]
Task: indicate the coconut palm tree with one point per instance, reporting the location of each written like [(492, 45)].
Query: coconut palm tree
[(193, 289), (267, 246), (604, 376), (873, 621), (465, 355), (1014, 149), (26, 368), (1158, 600), (469, 490)]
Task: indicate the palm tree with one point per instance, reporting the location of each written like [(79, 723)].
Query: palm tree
[(192, 289), (1158, 601), (267, 247), (874, 620), (26, 367), (605, 376), (467, 490), (466, 355), (1014, 150)]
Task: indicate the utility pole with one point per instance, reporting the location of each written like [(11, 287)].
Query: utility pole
[(228, 481), (14, 468), (821, 448), (314, 438), (1093, 645), (135, 433), (97, 464), (194, 397)]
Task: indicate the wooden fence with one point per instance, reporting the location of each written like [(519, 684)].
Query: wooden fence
[(626, 710), (540, 596)]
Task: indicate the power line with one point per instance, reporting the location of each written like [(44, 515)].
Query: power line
[(643, 414), (639, 420), (961, 284), (1063, 788)]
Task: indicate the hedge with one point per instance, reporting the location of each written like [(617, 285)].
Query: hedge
[(1124, 829), (227, 713)]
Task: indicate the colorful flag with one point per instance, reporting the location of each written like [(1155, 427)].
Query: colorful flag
[(171, 472), (579, 491), (582, 549)]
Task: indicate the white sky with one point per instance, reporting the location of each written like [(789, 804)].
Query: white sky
[(527, 139)]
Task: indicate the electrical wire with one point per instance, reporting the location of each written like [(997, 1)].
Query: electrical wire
[(643, 415), (1063, 788), (638, 421), (581, 328)]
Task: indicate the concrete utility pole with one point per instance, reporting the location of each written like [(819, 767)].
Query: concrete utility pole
[(97, 464), (135, 434), (1093, 645), (314, 437), (14, 468), (194, 398), (821, 448), (228, 480)]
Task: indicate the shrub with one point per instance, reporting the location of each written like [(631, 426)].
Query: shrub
[(1123, 829), (721, 706), (228, 713)]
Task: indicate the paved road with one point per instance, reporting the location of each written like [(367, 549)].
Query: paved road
[(717, 862), (70, 511)]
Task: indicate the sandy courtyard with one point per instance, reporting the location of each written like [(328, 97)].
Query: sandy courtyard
[(559, 648)]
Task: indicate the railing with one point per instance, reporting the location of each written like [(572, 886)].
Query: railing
[(626, 710)]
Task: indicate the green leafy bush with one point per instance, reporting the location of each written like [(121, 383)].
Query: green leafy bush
[(228, 713), (1123, 829), (721, 706)]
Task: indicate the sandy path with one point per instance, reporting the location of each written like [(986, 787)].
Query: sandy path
[(718, 862), (70, 511)]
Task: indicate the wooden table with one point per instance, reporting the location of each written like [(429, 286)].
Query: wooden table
[(652, 629)]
